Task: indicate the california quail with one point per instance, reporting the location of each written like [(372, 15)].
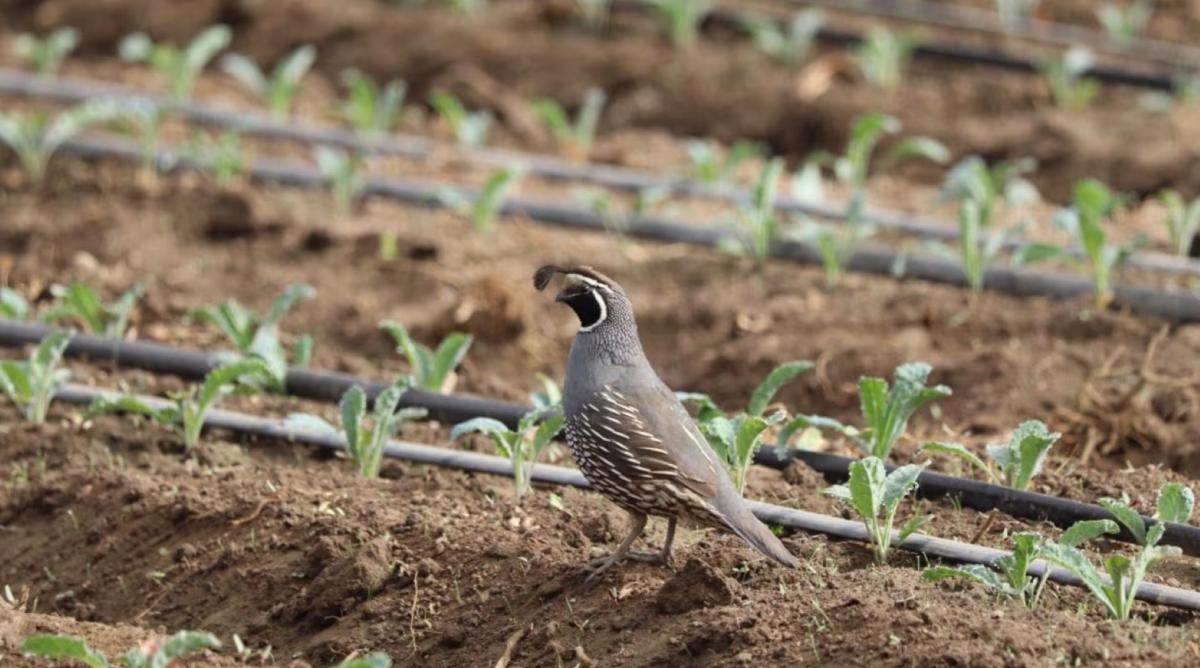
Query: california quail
[(630, 435)]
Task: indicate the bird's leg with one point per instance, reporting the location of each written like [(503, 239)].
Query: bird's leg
[(665, 556), (637, 522)]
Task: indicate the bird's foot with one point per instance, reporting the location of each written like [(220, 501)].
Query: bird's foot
[(600, 564)]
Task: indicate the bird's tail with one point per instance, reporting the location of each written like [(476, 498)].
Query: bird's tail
[(749, 528)]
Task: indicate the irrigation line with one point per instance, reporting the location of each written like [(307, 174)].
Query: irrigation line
[(419, 148), (329, 387), (791, 518)]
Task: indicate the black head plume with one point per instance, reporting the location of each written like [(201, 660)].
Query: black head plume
[(542, 277)]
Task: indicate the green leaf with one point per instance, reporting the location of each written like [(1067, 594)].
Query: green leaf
[(1039, 252), (12, 304), (64, 647), (180, 644), (373, 660), (1073, 560), (778, 377), (1085, 530), (1026, 452), (913, 524), (246, 72), (1128, 517), (868, 485), (450, 354), (957, 450), (352, 408), (483, 425), (974, 572), (545, 433), (313, 423), (1175, 503), (899, 483), (219, 381), (128, 403), (286, 300)]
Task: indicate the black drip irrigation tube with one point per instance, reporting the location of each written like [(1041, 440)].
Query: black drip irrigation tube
[(799, 520), (418, 148), (1173, 306), (329, 387)]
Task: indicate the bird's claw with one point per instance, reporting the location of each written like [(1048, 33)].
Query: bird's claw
[(600, 564)]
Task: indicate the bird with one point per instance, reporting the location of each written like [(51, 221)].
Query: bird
[(630, 435)]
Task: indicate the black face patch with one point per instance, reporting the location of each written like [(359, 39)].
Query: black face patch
[(587, 306)]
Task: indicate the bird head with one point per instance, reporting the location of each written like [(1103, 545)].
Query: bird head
[(594, 297)]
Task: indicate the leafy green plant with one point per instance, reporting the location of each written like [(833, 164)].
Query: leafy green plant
[(369, 108), (31, 383), (36, 137), (45, 54), (1015, 13), (1182, 220), (372, 660), (469, 128), (1066, 76), (143, 120), (178, 66), (875, 495), (682, 18), (482, 209), (522, 447), (1092, 204), (1175, 503), (186, 410), (278, 88), (736, 439), (595, 12), (12, 304), (365, 444), (258, 336), (757, 222), (884, 55), (788, 43), (1126, 23), (573, 138), (223, 156), (80, 303), (1010, 577), (1013, 464), (157, 654), (710, 167), (430, 369), (343, 171)]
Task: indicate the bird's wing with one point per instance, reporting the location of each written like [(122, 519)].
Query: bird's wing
[(662, 442)]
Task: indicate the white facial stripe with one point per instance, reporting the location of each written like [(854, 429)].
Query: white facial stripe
[(603, 313), (592, 282)]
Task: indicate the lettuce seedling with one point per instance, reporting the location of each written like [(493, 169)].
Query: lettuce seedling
[(254, 335), (789, 43), (736, 439), (1013, 464), (875, 495), (277, 89), (884, 55), (1182, 220), (1125, 23), (365, 444), (483, 208), (178, 66), (343, 171), (223, 156), (36, 137), (12, 304), (1069, 86), (1174, 504), (708, 167), (31, 383), (45, 54), (157, 654), (522, 447), (682, 18), (470, 129), (1016, 13), (757, 221), (143, 120), (574, 138), (186, 412), (81, 304), (1092, 204), (430, 370), (368, 108)]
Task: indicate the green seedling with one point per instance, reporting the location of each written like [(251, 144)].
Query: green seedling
[(1092, 204), (1066, 76), (186, 411), (429, 369), (46, 54), (736, 439), (223, 156), (369, 109), (595, 12), (875, 495), (788, 43), (1016, 13), (159, 653), (470, 129), (1012, 464), (31, 383), (522, 447), (81, 304), (682, 19), (343, 171), (1125, 24), (143, 120), (365, 444), (574, 138), (884, 55), (178, 66), (548, 397), (757, 222), (1011, 578), (278, 88), (258, 336), (36, 137), (484, 207), (1182, 221), (709, 167), (13, 305), (1175, 503), (372, 660), (600, 202)]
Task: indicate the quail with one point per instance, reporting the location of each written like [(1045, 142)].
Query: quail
[(629, 434)]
